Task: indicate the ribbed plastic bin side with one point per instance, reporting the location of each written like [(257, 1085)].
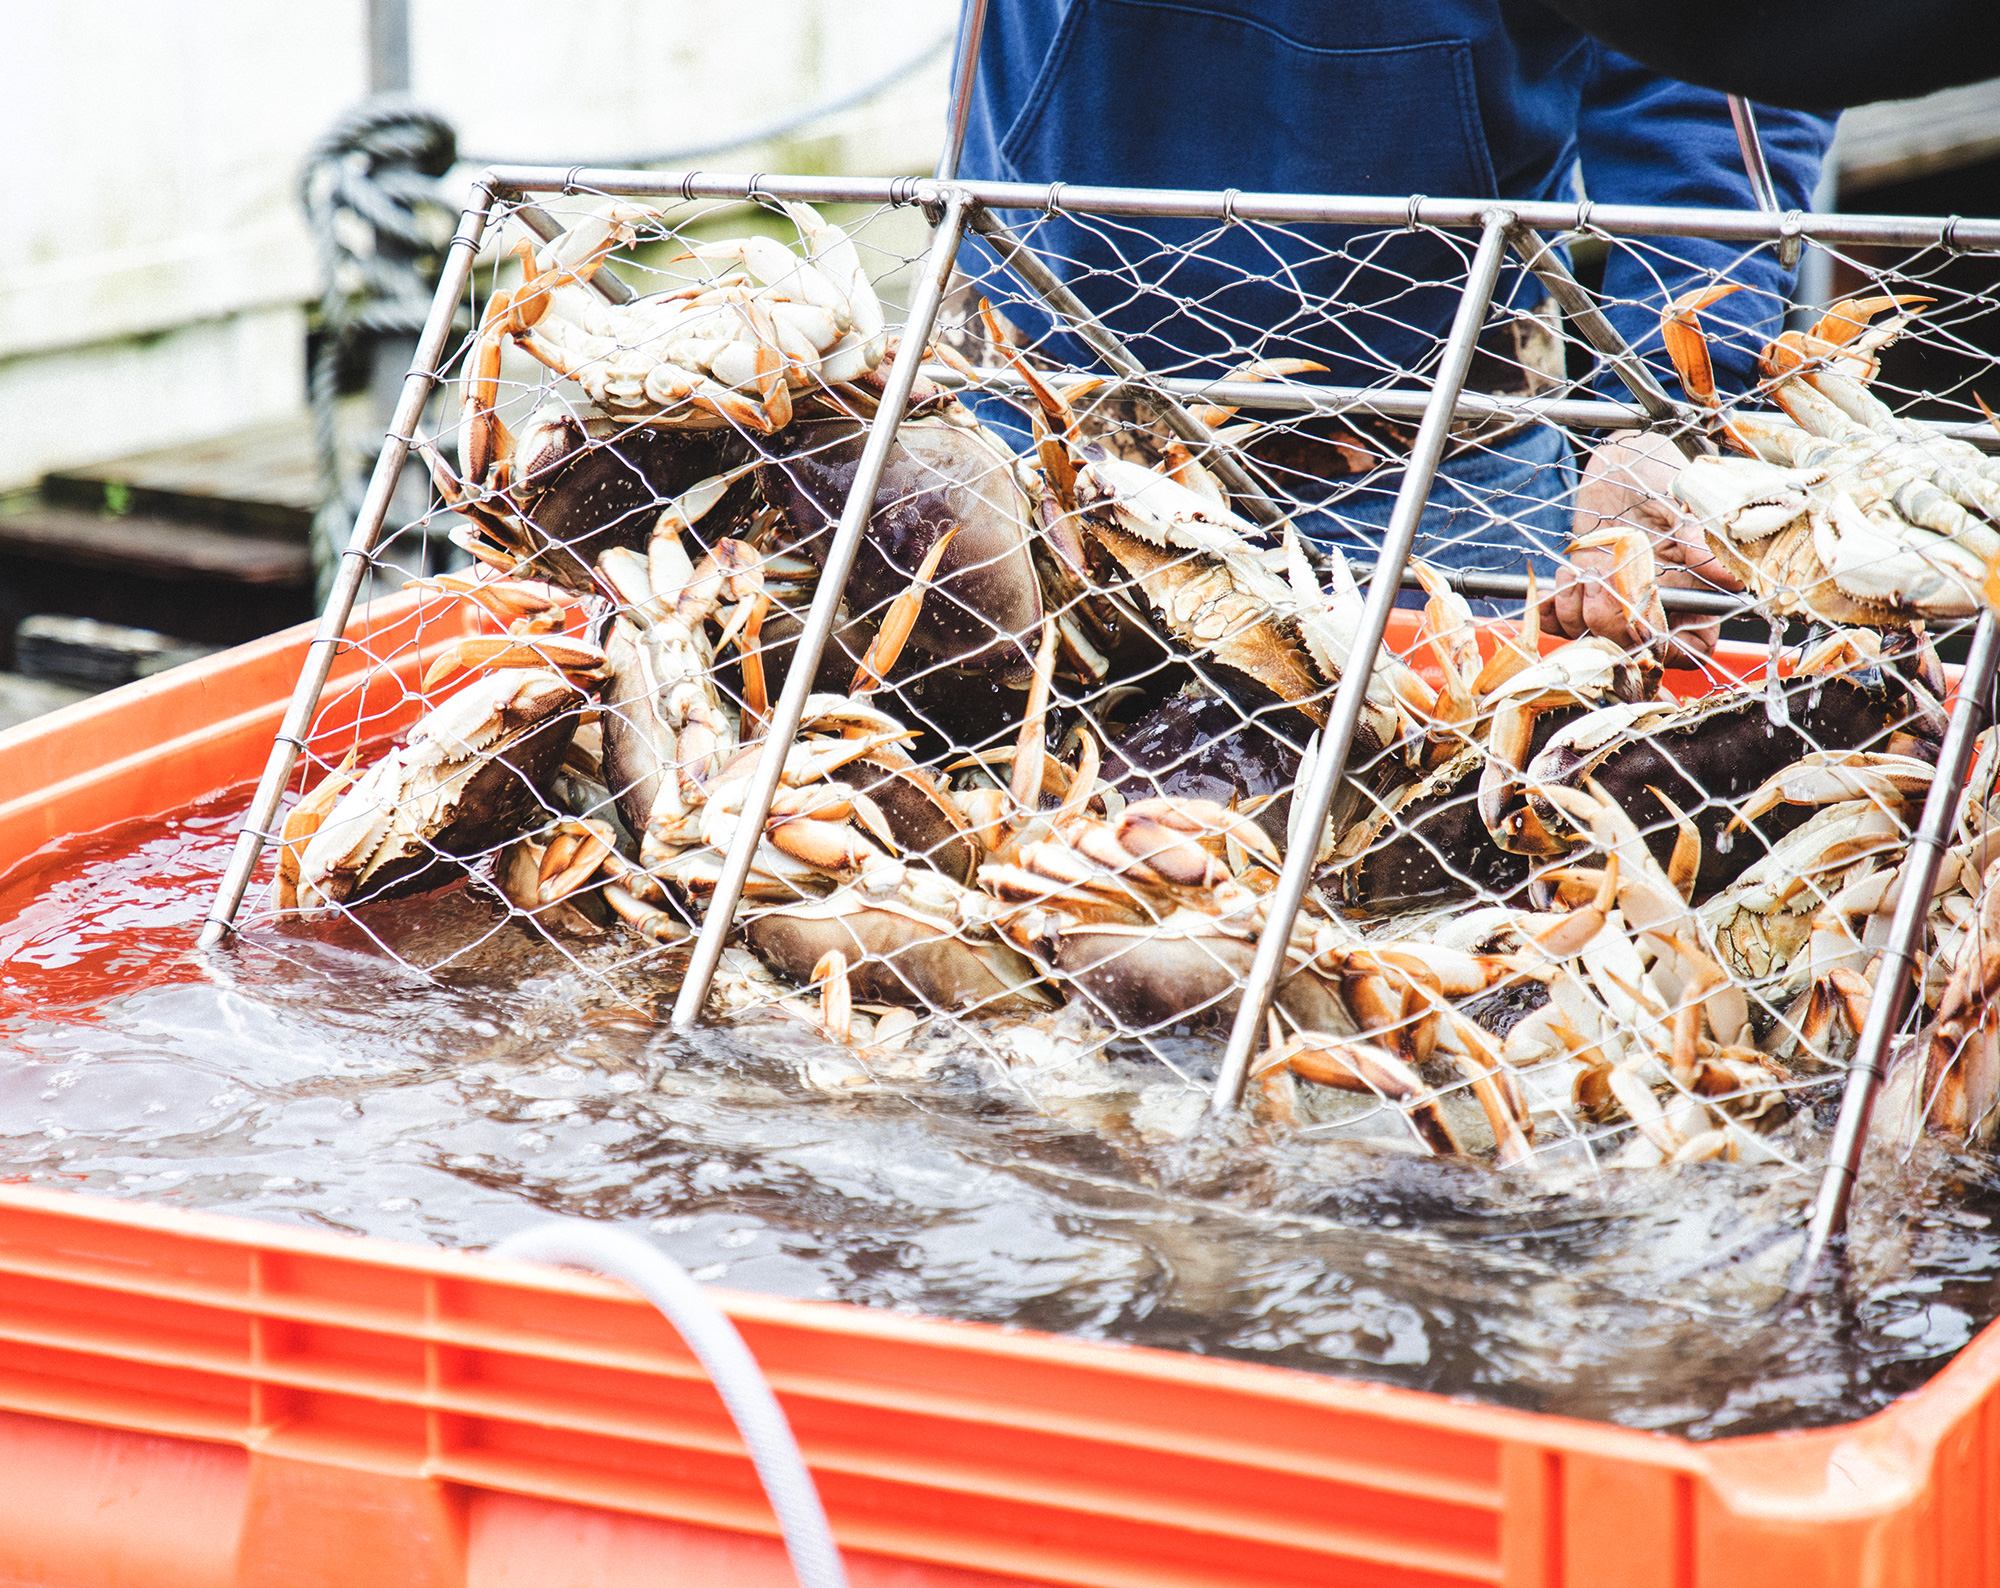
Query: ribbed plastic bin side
[(188, 1399)]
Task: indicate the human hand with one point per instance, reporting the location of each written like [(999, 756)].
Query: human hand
[(1625, 486)]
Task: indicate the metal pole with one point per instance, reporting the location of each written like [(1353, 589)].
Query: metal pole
[(1584, 313), (1514, 587), (1961, 234), (1222, 463), (1248, 1032), (1899, 955), (417, 387), (545, 226), (1762, 188), (388, 46), (971, 29), (1283, 396), (854, 520)]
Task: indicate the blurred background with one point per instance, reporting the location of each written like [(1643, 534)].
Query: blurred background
[(167, 303), (164, 297)]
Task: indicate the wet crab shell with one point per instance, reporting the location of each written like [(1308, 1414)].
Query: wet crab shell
[(1184, 972), (583, 486), (636, 761), (985, 604), (470, 777), (921, 818), (897, 955), (1201, 746), (1195, 601), (1425, 843), (1706, 756)]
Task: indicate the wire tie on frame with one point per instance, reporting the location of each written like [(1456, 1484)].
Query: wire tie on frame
[(1789, 239), (569, 186), (1948, 237), (1410, 221), (687, 186), (1229, 197), (1052, 200)]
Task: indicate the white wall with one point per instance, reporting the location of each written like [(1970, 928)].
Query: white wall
[(152, 257)]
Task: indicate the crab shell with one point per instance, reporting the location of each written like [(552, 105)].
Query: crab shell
[(1425, 842), (469, 779), (985, 602), (1707, 755), (1186, 970), (1805, 547), (1203, 746), (589, 484), (920, 816), (1197, 602), (907, 946)]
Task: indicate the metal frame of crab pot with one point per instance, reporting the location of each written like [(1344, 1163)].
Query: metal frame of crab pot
[(954, 208)]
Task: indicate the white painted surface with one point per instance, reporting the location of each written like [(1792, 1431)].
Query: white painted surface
[(85, 404), (153, 259)]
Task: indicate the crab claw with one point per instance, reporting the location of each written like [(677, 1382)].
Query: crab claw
[(301, 822), (900, 621), (1686, 344), (1634, 579), (521, 606), (582, 663), (1846, 322), (1216, 415), (574, 257)]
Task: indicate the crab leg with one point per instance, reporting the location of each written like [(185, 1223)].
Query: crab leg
[(1029, 745), (899, 622), (1687, 346), (301, 822), (1361, 1067)]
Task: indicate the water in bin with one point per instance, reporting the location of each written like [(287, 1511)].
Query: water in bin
[(1556, 1046)]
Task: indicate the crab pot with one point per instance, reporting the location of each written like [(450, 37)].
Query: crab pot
[(1060, 629)]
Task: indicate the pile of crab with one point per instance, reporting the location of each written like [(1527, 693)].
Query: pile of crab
[(1046, 760)]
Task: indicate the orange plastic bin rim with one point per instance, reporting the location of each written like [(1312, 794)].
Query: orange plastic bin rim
[(193, 1399)]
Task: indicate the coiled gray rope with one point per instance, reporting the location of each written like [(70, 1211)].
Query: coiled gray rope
[(371, 198), (576, 1243)]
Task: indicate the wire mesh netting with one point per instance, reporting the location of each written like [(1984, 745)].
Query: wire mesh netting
[(1615, 899)]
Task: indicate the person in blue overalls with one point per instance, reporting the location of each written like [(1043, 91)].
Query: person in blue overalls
[(1452, 98)]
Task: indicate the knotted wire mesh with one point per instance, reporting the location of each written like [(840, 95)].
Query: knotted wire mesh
[(1612, 902)]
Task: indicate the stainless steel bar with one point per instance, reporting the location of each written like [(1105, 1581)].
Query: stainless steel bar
[(1291, 209), (1899, 957), (1583, 312), (1221, 460), (1282, 907), (1758, 169), (1514, 587), (1762, 189), (608, 286), (965, 68), (846, 544), (1279, 396), (285, 749)]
